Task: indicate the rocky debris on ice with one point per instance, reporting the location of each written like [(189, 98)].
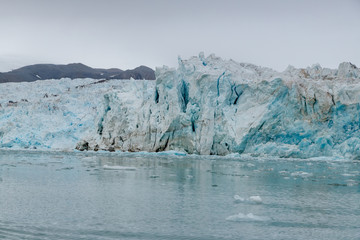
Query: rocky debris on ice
[(205, 106)]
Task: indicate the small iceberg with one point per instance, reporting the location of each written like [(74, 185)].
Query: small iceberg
[(301, 174), (238, 199), (255, 199), (124, 168), (252, 199), (246, 217)]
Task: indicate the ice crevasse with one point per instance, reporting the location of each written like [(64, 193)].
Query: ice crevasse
[(205, 106)]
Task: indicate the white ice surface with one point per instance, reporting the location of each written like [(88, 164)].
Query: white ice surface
[(205, 106)]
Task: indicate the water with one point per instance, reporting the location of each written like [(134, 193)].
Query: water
[(72, 196)]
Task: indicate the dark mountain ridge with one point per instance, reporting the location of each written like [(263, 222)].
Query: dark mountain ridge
[(74, 70)]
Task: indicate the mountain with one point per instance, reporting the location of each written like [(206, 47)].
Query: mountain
[(75, 70), (205, 106)]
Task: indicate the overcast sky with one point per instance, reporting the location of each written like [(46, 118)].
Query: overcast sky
[(129, 33)]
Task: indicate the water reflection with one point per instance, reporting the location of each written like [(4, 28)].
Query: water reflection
[(72, 196)]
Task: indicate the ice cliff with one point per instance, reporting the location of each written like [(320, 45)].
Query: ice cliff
[(205, 106)]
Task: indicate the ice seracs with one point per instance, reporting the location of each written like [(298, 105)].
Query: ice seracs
[(206, 106)]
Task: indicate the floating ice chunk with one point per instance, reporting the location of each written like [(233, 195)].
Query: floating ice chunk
[(348, 175), (349, 183), (255, 199), (246, 217), (252, 199), (301, 174), (172, 152), (107, 167), (238, 199)]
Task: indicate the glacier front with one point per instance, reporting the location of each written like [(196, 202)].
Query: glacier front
[(205, 106)]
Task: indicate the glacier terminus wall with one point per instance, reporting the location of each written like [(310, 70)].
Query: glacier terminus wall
[(205, 106)]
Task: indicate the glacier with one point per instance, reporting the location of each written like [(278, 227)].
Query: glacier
[(206, 106)]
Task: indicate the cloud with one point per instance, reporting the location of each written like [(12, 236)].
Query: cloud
[(126, 34)]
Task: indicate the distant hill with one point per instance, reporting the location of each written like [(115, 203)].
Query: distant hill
[(74, 70)]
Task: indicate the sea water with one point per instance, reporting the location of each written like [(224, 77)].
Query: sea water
[(174, 196)]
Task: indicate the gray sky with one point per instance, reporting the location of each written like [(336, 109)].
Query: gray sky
[(129, 33)]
